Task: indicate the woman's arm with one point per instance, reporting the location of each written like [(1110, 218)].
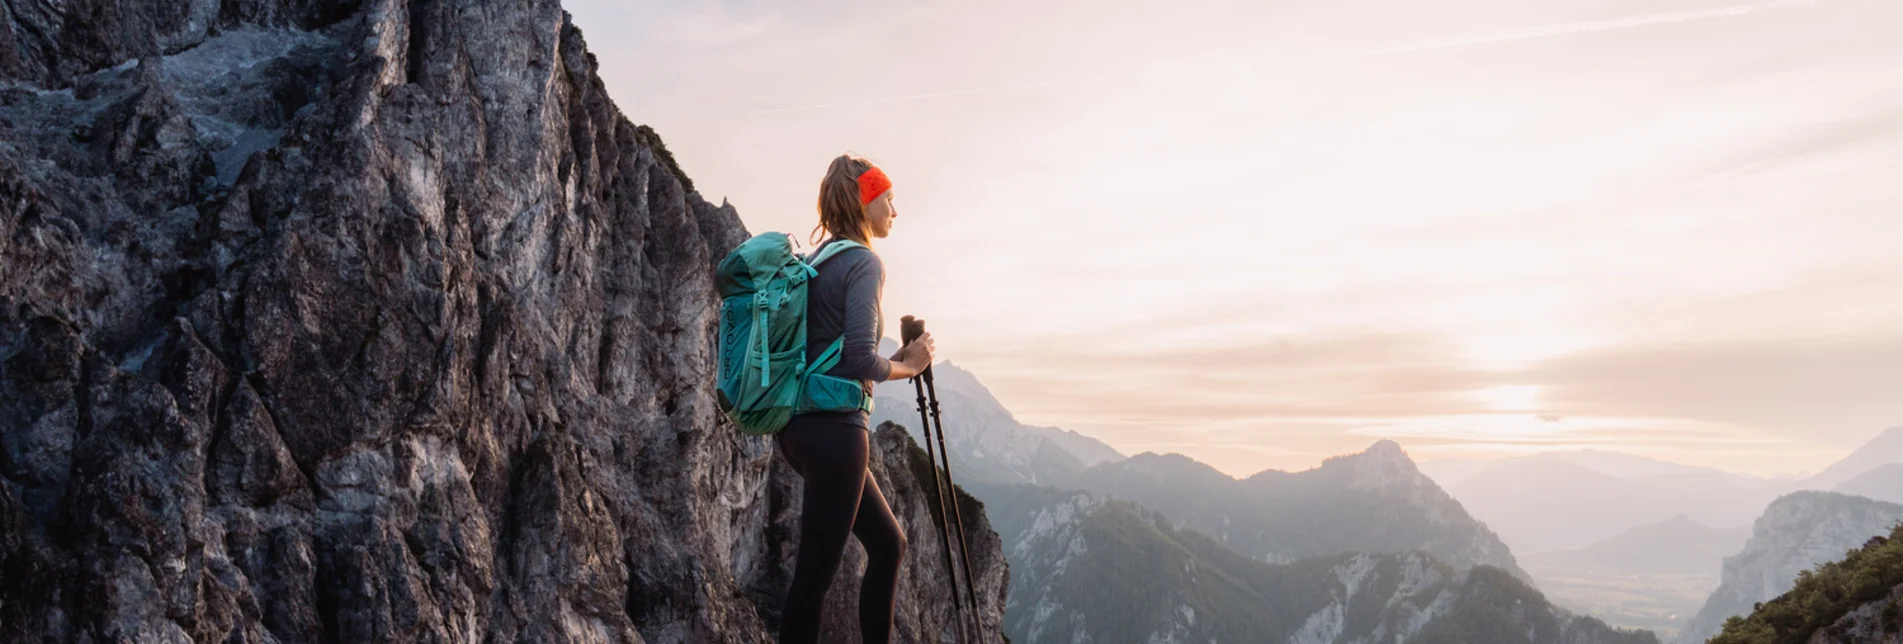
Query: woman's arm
[(859, 355)]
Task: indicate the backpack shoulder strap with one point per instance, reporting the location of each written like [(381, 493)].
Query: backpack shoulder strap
[(831, 248)]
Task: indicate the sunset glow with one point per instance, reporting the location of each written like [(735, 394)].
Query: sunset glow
[(1672, 229)]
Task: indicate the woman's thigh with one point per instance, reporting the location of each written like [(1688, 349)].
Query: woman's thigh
[(878, 530)]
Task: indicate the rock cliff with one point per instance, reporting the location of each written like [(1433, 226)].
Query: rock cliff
[(370, 321)]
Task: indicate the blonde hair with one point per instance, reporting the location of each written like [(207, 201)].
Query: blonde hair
[(840, 213)]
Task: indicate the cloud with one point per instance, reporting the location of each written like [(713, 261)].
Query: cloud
[(1831, 390), (1299, 395), (1244, 69), (1301, 398), (1580, 28)]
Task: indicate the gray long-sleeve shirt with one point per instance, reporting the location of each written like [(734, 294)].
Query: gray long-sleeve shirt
[(844, 298)]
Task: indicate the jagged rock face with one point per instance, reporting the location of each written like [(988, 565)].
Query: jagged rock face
[(328, 321), (1796, 533)]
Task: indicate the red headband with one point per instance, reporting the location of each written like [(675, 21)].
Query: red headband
[(872, 183)]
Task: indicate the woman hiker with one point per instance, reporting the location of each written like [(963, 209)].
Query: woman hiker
[(829, 449)]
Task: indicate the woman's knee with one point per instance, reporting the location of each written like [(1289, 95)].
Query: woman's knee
[(890, 548)]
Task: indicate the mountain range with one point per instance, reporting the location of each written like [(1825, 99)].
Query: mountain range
[(1650, 574), (1884, 483), (1375, 501), (1361, 548), (1653, 577), (1569, 500), (1372, 502), (1678, 545), (1885, 449), (987, 443), (1090, 568)]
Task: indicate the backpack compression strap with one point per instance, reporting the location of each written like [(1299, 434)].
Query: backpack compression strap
[(773, 299), (829, 357)]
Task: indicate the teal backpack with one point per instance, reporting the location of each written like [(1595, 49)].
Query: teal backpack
[(764, 377)]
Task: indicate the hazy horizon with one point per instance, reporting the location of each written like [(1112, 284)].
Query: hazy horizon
[(1263, 235)]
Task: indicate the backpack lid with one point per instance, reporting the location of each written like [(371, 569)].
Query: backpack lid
[(751, 265)]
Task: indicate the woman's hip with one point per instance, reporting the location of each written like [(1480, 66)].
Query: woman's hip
[(825, 439)]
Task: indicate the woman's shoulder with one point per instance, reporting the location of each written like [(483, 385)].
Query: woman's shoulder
[(860, 255)]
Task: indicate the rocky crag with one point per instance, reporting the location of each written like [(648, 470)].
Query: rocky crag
[(1797, 533), (371, 321), (1857, 600)]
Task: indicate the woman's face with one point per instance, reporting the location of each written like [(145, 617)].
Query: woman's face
[(879, 215)]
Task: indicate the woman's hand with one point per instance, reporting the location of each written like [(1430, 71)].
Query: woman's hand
[(918, 354), (913, 358)]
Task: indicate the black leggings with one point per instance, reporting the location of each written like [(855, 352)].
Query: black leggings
[(830, 451)]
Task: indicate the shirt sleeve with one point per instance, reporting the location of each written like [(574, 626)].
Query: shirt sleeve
[(859, 358)]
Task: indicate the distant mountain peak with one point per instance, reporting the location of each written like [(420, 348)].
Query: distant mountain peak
[(1885, 447), (1386, 468), (1892, 436), (1387, 450), (1384, 462)]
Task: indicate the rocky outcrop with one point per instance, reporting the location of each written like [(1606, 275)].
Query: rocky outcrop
[(1796, 533), (1879, 621), (1858, 599), (341, 321)]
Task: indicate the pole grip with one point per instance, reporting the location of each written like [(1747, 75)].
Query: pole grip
[(910, 328)]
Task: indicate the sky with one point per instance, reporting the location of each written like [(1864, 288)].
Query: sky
[(1261, 234)]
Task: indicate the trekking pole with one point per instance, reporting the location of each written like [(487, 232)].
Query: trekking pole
[(964, 550), (950, 493), (910, 329)]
